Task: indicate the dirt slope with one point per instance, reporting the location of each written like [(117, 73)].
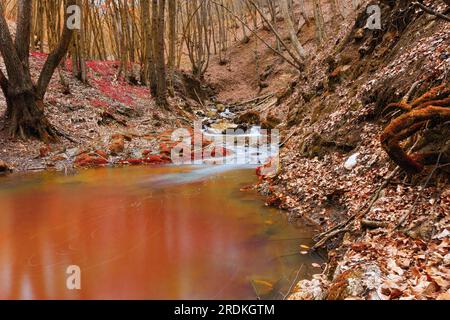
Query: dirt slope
[(398, 246)]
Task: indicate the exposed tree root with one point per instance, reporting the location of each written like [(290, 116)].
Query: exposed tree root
[(432, 108), (27, 119)]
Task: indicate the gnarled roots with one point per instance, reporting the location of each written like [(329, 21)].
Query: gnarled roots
[(430, 109)]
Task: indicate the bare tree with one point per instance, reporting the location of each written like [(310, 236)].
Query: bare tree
[(161, 84), (24, 98), (292, 33)]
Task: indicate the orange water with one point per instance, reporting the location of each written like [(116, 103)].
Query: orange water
[(145, 233)]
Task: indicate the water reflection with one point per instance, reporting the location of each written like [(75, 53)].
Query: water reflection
[(202, 240)]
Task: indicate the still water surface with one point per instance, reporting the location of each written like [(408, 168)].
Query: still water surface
[(146, 233)]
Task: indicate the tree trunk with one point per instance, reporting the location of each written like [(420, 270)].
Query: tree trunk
[(172, 42), (26, 116), (161, 97), (292, 33), (25, 107), (153, 77)]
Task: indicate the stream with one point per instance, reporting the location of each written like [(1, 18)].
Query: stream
[(146, 233)]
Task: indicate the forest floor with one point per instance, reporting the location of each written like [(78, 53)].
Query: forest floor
[(396, 242), (107, 121), (332, 164)]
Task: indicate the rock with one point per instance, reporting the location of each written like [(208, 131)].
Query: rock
[(249, 117), (351, 162), (4, 167), (44, 151), (146, 152), (308, 290), (153, 159), (71, 153), (90, 160), (157, 159), (133, 161), (359, 34), (242, 126), (223, 125), (117, 144), (270, 169), (216, 152), (220, 107), (211, 113), (270, 122), (348, 284)]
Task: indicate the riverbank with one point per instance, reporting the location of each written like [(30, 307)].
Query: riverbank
[(387, 232)]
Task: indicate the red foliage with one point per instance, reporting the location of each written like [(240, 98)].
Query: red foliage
[(90, 160), (98, 103), (103, 76), (39, 55)]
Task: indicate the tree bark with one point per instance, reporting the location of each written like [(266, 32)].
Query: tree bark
[(293, 34), (153, 77), (172, 42), (161, 96)]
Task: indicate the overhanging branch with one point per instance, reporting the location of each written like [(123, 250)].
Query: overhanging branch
[(55, 57)]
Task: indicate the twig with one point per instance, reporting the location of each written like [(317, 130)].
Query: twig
[(431, 11), (254, 289), (293, 283), (254, 100), (64, 135), (329, 236), (199, 100), (289, 137)]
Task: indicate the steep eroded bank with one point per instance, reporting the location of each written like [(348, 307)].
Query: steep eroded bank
[(389, 234)]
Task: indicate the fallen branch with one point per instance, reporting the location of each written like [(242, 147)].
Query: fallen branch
[(255, 290), (329, 237), (269, 95), (288, 138), (108, 115), (64, 135), (373, 224), (431, 11), (199, 99)]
